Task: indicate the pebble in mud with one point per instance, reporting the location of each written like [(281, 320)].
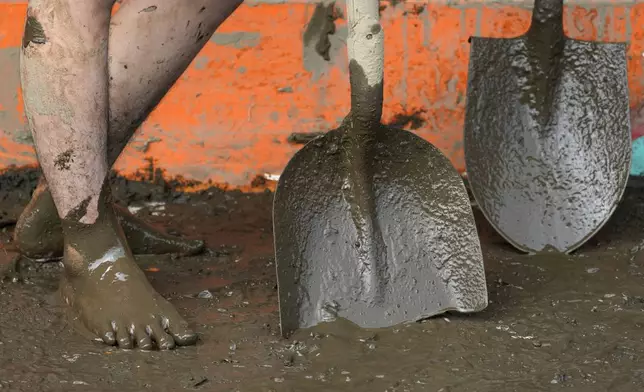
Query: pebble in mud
[(204, 294)]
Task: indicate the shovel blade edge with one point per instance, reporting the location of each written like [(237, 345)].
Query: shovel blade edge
[(547, 161), (429, 261)]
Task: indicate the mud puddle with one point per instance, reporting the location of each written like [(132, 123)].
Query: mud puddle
[(571, 323)]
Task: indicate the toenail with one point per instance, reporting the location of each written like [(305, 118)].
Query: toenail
[(110, 336)]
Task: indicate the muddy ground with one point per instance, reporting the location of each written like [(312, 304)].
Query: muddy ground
[(573, 323)]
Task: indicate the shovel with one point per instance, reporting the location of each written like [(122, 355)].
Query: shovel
[(373, 224), (547, 133)]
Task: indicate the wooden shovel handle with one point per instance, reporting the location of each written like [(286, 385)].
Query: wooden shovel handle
[(366, 49)]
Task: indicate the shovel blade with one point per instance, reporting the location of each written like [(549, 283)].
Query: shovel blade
[(547, 162), (428, 257)]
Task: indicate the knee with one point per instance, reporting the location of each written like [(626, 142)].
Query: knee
[(65, 19), (62, 9)]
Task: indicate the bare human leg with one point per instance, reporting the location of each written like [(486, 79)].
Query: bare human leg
[(64, 69), (149, 51)]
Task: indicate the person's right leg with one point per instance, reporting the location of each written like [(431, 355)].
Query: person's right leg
[(64, 70), (149, 52)]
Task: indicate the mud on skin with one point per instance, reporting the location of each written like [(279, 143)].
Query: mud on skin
[(34, 33), (108, 291), (38, 234)]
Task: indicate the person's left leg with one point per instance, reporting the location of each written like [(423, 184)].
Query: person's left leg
[(144, 47)]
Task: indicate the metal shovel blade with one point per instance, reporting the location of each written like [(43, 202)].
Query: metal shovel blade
[(547, 136), (425, 260)]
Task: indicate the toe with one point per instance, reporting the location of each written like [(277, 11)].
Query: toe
[(143, 340), (180, 332), (123, 336), (164, 341), (106, 334), (109, 337)]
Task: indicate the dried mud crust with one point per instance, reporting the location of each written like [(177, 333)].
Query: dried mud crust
[(574, 322)]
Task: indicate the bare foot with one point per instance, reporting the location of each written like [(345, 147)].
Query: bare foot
[(38, 234), (110, 294)]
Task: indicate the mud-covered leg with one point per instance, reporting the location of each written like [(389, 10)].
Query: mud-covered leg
[(65, 84), (149, 52)]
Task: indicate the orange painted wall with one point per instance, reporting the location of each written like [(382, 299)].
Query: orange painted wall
[(229, 116)]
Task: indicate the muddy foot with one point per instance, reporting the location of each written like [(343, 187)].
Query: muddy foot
[(110, 294), (38, 233)]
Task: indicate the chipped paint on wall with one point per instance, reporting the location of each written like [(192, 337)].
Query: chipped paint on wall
[(237, 39), (15, 140), (262, 78)]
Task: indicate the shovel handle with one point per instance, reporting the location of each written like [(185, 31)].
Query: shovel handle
[(366, 49), (547, 19)]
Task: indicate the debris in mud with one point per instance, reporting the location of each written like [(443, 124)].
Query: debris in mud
[(71, 358), (303, 137), (272, 177), (560, 378), (154, 206), (205, 294), (195, 382), (412, 119)]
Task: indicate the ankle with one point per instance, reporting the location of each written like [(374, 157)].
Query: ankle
[(85, 244)]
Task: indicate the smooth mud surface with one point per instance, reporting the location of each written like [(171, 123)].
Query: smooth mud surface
[(573, 323)]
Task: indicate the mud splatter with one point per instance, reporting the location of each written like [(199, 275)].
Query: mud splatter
[(303, 137), (34, 33), (79, 211), (149, 9), (550, 323), (63, 161), (321, 25), (412, 119)]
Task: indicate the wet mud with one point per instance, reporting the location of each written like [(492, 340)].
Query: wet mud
[(38, 233), (571, 322)]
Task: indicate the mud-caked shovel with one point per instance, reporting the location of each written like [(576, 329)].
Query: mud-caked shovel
[(547, 134), (371, 223)]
